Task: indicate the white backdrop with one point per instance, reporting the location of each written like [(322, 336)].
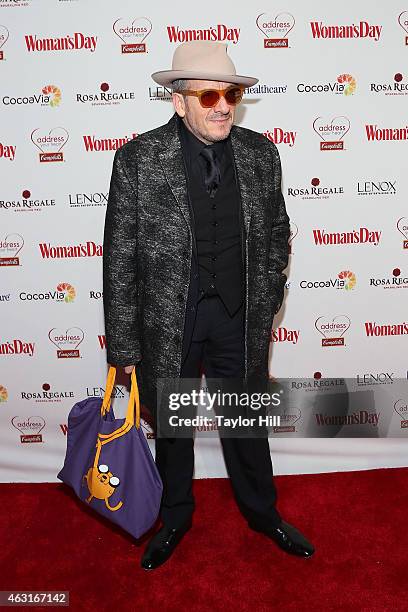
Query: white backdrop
[(333, 82)]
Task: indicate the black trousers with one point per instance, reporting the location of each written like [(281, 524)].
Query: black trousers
[(218, 344)]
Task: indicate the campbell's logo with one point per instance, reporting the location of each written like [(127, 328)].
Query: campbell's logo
[(361, 236), (3, 394), (275, 29), (16, 347), (29, 428), (133, 33), (93, 144), (72, 42), (27, 204), (7, 151), (50, 143), (315, 191), (64, 292), (402, 227), (46, 395), (378, 187), (278, 135), (67, 341), (86, 200), (333, 329), (219, 32), (375, 133), (331, 132), (4, 35), (394, 281), (344, 280), (403, 22), (354, 30), (87, 249), (345, 84), (105, 97), (401, 408), (50, 95), (372, 329), (10, 247), (283, 334), (395, 88)]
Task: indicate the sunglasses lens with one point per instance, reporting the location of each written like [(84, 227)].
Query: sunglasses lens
[(233, 96), (209, 98)]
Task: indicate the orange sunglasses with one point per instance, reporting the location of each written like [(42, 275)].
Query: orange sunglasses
[(210, 97)]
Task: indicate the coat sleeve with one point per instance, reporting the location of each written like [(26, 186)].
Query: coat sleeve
[(120, 268), (279, 248)]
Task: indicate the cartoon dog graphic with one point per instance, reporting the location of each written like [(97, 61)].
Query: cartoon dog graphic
[(102, 484)]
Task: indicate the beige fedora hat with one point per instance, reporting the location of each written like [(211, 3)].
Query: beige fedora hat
[(205, 60)]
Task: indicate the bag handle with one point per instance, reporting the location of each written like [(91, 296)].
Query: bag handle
[(134, 400)]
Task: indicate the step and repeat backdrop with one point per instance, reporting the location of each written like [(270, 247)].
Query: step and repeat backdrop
[(332, 94)]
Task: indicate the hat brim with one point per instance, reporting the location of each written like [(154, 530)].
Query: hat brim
[(166, 77)]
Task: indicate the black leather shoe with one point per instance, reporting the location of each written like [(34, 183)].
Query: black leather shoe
[(162, 545), (288, 538)]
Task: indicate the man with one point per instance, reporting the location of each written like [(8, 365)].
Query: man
[(195, 244)]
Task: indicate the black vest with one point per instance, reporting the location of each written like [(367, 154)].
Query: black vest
[(217, 231)]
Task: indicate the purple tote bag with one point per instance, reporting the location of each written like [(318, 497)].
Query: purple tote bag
[(108, 461)]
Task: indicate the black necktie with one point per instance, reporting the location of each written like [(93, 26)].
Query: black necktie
[(212, 176)]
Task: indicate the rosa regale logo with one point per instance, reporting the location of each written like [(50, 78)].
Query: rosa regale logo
[(275, 28), (54, 94), (50, 143), (10, 247), (133, 33), (3, 394), (67, 341), (333, 329), (331, 132), (4, 35)]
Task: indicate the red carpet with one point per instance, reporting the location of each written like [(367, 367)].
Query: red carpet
[(356, 520)]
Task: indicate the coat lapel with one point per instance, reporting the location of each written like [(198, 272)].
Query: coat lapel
[(245, 168), (172, 161)]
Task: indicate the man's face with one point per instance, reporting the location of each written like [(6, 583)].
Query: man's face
[(207, 124)]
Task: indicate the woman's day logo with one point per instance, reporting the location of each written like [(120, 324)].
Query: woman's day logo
[(333, 330), (133, 33), (275, 29), (4, 34), (50, 144), (10, 247), (331, 132)]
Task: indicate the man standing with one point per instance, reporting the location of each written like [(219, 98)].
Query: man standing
[(195, 244)]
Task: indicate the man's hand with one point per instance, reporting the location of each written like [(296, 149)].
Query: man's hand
[(128, 369)]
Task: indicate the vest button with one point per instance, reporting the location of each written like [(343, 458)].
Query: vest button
[(214, 275), (214, 223), (213, 258)]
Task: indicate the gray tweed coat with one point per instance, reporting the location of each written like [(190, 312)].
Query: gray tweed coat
[(148, 247)]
